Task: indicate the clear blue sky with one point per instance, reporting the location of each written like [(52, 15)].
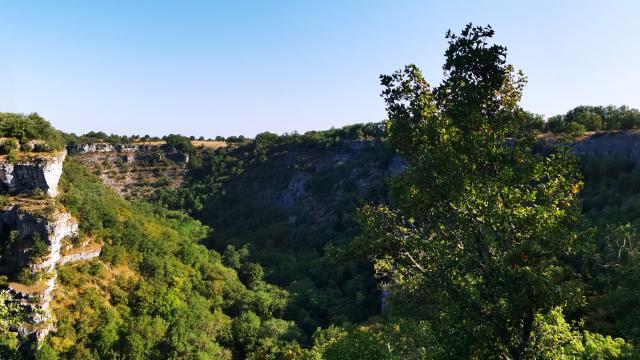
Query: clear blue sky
[(242, 67)]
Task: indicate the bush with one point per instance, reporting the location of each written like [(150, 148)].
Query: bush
[(12, 156), (25, 276), (576, 129), (245, 330), (251, 274), (39, 246), (8, 145), (41, 148), (162, 182), (45, 352), (180, 143)]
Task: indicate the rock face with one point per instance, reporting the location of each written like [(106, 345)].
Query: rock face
[(133, 170), (31, 174), (88, 148), (131, 152), (60, 226), (51, 229), (625, 144), (32, 233), (87, 252)]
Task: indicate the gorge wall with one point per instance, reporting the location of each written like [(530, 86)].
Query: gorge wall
[(136, 170), (624, 144), (37, 235)]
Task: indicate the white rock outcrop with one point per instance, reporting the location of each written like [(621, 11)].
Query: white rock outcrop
[(58, 227), (28, 175)]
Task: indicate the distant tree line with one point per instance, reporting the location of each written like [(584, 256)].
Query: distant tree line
[(93, 137), (586, 118), (349, 132)]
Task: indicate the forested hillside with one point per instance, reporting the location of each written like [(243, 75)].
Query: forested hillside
[(156, 291), (283, 202)]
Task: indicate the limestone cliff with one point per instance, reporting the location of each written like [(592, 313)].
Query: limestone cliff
[(136, 170), (625, 144), (27, 224), (133, 170), (31, 172), (36, 235)]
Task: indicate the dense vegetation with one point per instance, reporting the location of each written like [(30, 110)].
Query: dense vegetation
[(594, 118), (584, 118), (283, 202), (102, 137), (612, 262), (156, 292), (11, 316)]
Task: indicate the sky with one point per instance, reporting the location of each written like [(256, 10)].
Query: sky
[(209, 68)]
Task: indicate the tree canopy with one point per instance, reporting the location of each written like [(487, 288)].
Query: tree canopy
[(30, 127), (473, 239)]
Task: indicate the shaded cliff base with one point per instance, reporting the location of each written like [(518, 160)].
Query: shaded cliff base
[(37, 236)]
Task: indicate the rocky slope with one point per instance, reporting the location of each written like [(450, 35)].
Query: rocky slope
[(136, 170)]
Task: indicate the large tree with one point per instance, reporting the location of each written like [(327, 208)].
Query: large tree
[(474, 237)]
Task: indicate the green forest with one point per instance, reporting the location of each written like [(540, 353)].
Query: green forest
[(448, 231)]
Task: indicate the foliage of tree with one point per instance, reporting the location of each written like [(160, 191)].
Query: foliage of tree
[(8, 145), (474, 240), (180, 143), (30, 127), (594, 118), (93, 137), (11, 317)]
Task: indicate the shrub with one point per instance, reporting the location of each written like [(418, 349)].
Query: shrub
[(180, 143), (8, 145), (39, 246), (576, 129), (41, 148), (25, 276)]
